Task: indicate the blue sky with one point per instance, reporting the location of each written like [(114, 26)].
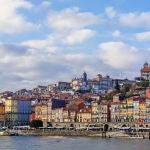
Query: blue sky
[(45, 41)]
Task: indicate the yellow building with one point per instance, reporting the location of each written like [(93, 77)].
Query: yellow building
[(94, 116), (44, 116), (123, 112), (11, 111), (142, 113), (84, 115), (130, 109), (66, 115)]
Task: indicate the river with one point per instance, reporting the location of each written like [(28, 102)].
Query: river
[(71, 143)]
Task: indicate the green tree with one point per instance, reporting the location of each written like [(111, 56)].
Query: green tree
[(36, 123), (110, 96), (143, 83), (126, 88), (117, 86)]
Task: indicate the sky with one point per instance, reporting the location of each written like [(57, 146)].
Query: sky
[(45, 41)]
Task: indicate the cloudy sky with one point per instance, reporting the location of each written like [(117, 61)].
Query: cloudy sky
[(44, 41)]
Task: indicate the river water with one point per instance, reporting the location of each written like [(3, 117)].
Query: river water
[(71, 143)]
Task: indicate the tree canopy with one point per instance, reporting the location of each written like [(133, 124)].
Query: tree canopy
[(36, 123), (117, 86), (143, 83)]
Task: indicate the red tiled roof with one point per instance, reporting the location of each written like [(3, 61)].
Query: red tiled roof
[(92, 80), (85, 110), (145, 69)]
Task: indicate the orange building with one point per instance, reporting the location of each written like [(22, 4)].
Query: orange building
[(148, 93), (32, 117), (2, 111)]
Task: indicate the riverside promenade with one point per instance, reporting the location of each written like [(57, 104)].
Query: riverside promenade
[(50, 132), (83, 133)]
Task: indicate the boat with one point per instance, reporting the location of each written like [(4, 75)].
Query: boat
[(3, 131), (12, 134), (122, 134)]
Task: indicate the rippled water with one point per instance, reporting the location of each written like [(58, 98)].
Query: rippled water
[(71, 143)]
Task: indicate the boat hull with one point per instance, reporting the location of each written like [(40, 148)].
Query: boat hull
[(3, 133)]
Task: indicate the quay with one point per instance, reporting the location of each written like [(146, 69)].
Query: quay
[(82, 133), (104, 130), (59, 132)]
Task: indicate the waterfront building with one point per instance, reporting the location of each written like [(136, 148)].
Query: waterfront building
[(73, 115), (65, 114), (44, 114), (49, 111), (38, 111), (129, 109), (54, 104), (41, 113), (23, 110), (2, 114), (115, 112), (94, 115), (136, 110), (123, 112), (32, 116), (142, 113), (57, 114), (84, 115), (104, 112), (11, 109), (147, 110)]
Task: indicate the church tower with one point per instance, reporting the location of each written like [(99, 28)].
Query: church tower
[(84, 77), (145, 65)]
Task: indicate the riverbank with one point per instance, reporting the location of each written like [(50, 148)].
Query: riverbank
[(81, 133)]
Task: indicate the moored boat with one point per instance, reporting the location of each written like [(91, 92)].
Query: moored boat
[(3, 133)]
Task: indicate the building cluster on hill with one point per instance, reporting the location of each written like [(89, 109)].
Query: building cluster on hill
[(83, 100)]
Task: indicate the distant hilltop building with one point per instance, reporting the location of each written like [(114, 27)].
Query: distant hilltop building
[(99, 84), (80, 84), (145, 71)]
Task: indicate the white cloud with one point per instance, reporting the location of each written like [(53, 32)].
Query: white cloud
[(46, 4), (143, 36), (11, 21), (53, 41), (25, 66), (118, 54), (71, 18), (30, 67), (135, 19), (78, 36), (116, 33), (111, 13)]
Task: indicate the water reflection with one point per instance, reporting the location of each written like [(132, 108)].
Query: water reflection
[(71, 143)]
